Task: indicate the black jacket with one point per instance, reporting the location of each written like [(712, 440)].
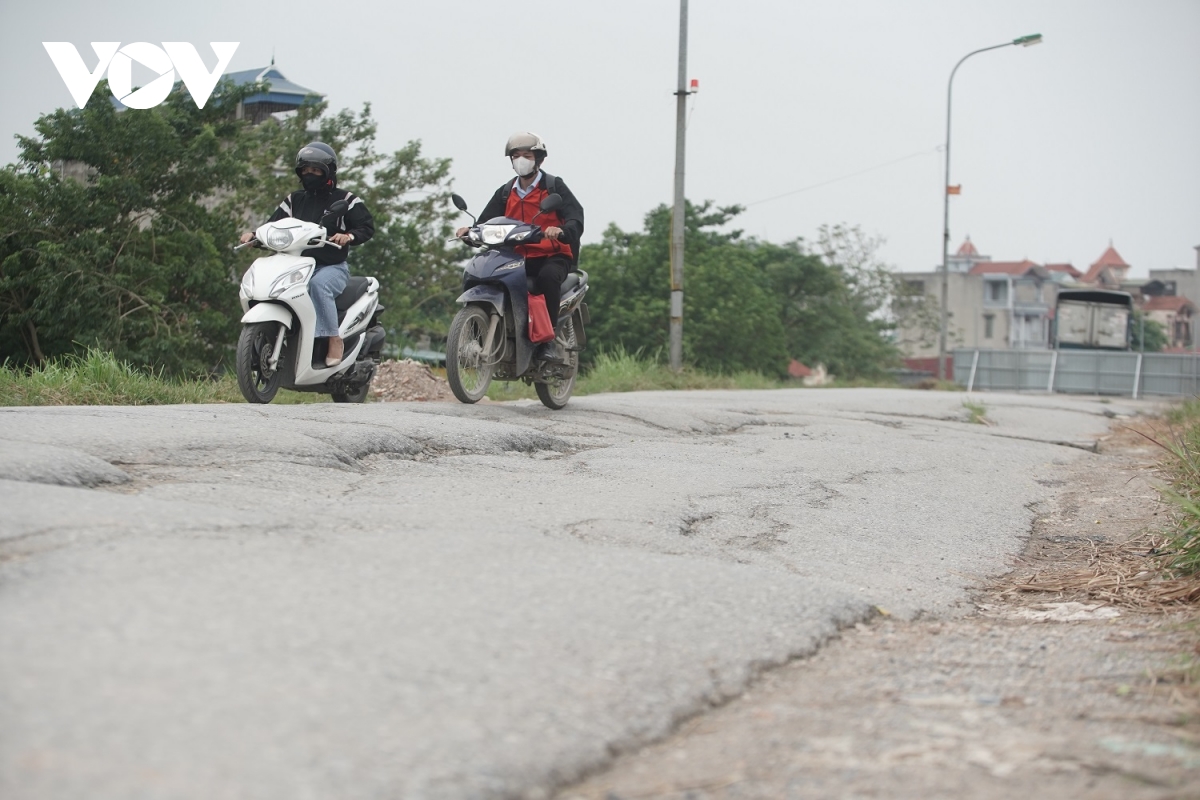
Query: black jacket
[(570, 212), (311, 206)]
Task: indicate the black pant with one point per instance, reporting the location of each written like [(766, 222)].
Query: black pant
[(545, 276)]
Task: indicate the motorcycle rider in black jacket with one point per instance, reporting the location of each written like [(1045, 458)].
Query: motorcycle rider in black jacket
[(316, 166)]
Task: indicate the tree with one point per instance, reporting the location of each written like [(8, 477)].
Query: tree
[(857, 326), (129, 259), (731, 322), (1147, 335), (131, 253), (748, 304)]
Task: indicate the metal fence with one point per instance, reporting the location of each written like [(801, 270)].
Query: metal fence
[(1078, 372)]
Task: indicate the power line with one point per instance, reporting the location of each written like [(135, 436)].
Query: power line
[(937, 149)]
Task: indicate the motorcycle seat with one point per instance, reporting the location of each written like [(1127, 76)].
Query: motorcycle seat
[(571, 282), (355, 288)]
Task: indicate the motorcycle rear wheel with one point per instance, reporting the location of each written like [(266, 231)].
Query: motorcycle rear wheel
[(555, 395), (255, 345), (467, 370)]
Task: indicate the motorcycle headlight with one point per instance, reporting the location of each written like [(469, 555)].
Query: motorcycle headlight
[(495, 234), (278, 238), (285, 282), (248, 282)]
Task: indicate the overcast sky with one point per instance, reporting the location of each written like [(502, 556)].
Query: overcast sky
[(1091, 136)]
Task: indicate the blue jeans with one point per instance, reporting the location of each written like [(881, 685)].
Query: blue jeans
[(325, 285)]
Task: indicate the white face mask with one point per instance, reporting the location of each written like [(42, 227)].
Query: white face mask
[(524, 166)]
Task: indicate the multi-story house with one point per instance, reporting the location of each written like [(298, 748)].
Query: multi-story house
[(1010, 304), (991, 304)]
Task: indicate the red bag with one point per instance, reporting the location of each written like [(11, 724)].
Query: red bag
[(540, 328)]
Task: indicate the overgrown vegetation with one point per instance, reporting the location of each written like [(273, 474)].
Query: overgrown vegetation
[(98, 378), (101, 379), (1185, 490)]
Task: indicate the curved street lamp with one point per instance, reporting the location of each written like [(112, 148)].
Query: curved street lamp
[(1024, 41)]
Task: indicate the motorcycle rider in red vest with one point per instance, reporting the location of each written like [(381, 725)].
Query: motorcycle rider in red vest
[(546, 262)]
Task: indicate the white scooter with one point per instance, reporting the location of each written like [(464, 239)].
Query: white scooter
[(276, 347)]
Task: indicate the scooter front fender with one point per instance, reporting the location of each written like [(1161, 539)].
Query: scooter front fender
[(268, 312), (484, 294)]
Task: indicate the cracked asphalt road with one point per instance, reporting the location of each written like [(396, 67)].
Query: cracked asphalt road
[(442, 601)]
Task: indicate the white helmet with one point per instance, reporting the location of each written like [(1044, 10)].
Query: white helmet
[(524, 140)]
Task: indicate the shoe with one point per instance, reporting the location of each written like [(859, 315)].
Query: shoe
[(336, 350), (548, 352)]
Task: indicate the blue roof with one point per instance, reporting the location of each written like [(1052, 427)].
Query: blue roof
[(282, 90)]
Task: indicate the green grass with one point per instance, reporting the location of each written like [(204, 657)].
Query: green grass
[(1184, 466), (622, 371), (100, 379), (977, 412)]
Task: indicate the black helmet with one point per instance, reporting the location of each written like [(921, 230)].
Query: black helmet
[(317, 154)]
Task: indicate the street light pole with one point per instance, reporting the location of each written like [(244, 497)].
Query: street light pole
[(676, 331), (1024, 41)]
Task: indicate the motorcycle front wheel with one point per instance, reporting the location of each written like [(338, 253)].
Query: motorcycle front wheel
[(556, 394), (255, 378), (467, 369)]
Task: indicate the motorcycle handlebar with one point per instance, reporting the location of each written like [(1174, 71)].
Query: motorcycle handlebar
[(256, 243), (534, 239)]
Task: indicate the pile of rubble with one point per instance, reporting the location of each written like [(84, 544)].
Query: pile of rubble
[(398, 381)]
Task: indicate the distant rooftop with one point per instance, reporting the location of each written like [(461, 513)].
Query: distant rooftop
[(1167, 303), (967, 249), (1067, 268), (1007, 268), (1110, 258), (281, 90)]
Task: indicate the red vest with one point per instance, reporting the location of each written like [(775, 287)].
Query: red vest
[(525, 209)]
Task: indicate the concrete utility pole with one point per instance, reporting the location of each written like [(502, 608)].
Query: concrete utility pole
[(677, 213)]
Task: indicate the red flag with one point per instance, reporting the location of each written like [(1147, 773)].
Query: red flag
[(954, 189)]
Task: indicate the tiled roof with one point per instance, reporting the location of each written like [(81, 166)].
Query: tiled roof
[(967, 249), (798, 370), (1002, 267), (1110, 258), (1167, 303), (1067, 268)]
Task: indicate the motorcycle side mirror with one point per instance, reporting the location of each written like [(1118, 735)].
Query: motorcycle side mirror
[(336, 209), (461, 205), (550, 202)]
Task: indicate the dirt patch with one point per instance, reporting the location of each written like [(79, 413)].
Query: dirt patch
[(408, 380), (1069, 680)]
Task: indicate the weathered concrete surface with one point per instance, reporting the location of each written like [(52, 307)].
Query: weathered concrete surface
[(406, 600)]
